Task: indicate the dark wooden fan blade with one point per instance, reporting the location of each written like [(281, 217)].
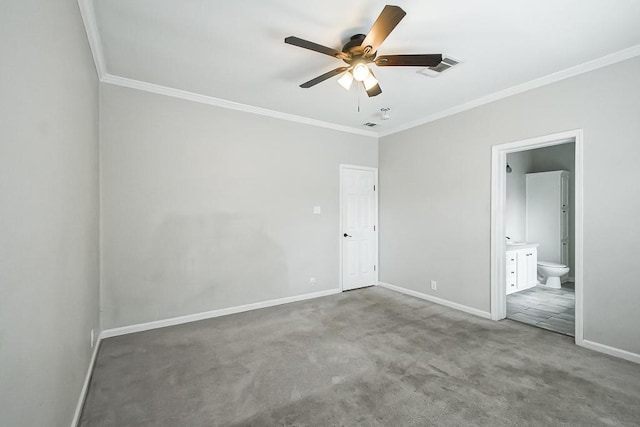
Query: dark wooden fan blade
[(323, 77), (386, 22), (430, 60), (315, 47)]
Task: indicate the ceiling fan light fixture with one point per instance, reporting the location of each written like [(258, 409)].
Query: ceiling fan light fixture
[(370, 81), (346, 80), (362, 50), (361, 72)]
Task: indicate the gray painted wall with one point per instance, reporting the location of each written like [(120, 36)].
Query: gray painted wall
[(557, 157), (48, 211), (435, 196), (206, 208)]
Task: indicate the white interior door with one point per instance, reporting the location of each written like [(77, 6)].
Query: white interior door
[(359, 211)]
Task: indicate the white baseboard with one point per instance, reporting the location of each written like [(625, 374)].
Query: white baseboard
[(85, 386), (602, 348), (611, 351), (177, 321), (431, 298), (107, 333)]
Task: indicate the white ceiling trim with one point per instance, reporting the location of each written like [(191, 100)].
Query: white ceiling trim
[(89, 18), (91, 27), (217, 102), (604, 61)]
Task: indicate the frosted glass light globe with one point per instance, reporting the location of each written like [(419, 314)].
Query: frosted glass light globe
[(346, 80), (360, 72)]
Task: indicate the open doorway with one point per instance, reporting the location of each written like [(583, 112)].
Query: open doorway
[(539, 228), (536, 274)]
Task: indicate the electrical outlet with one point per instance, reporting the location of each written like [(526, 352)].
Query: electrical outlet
[(434, 285), (92, 338), (312, 281)]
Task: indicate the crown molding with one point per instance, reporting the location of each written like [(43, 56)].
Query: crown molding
[(217, 102), (595, 64), (89, 18), (88, 14), (91, 27)]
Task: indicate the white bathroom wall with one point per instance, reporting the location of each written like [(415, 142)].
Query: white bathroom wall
[(516, 203), (557, 157), (435, 193), (206, 208), (560, 157), (48, 211)]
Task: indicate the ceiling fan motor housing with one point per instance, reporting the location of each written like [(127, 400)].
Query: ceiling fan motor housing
[(355, 49)]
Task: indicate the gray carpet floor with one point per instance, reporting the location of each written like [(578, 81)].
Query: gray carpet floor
[(370, 357)]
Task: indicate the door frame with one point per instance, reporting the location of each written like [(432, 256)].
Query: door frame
[(342, 168), (498, 233)]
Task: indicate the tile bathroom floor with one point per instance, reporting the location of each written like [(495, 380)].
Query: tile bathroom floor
[(552, 309)]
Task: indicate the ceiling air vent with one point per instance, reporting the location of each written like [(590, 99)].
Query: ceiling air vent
[(369, 124), (447, 63)]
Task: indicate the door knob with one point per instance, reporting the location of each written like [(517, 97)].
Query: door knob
[(347, 235)]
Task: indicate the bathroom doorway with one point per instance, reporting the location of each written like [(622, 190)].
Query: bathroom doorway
[(536, 251), (540, 235)]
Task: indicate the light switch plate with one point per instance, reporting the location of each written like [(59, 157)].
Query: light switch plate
[(317, 210)]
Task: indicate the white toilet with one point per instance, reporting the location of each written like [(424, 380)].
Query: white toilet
[(550, 273)]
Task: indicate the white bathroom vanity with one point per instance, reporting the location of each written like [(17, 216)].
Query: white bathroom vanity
[(522, 266)]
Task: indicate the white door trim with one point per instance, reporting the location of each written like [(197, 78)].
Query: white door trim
[(498, 204), (341, 238)]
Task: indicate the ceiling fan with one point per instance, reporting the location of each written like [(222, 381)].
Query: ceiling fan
[(361, 50)]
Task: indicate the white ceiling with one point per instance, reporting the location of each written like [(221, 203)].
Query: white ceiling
[(234, 50)]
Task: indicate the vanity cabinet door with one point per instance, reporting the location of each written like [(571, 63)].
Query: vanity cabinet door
[(522, 267), (532, 267)]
